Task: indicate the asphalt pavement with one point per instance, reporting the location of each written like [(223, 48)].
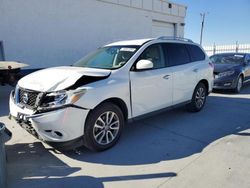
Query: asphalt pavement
[(173, 149)]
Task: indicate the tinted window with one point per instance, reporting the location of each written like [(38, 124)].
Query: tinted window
[(177, 54), (228, 58), (154, 53), (196, 53)]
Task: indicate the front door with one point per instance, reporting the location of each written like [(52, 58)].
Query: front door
[(151, 89)]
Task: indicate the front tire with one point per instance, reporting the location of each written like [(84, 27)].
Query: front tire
[(239, 85), (199, 98), (103, 127)]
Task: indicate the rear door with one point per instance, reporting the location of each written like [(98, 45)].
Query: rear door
[(151, 89), (184, 71)]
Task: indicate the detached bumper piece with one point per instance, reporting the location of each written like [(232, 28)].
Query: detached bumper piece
[(26, 124)]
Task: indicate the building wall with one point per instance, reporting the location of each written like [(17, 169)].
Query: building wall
[(45, 33)]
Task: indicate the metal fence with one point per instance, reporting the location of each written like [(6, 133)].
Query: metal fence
[(215, 49)]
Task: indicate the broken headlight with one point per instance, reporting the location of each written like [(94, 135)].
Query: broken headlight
[(60, 98)]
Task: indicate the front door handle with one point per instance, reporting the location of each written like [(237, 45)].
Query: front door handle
[(166, 77)]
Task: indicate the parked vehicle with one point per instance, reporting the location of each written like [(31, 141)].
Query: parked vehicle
[(231, 70), (89, 102)]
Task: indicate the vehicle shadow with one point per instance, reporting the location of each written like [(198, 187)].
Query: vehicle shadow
[(31, 165), (86, 181), (176, 134), (33, 160)]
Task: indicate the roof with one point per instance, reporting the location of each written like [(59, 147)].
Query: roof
[(138, 42)]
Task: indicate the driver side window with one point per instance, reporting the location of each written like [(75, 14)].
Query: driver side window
[(154, 54)]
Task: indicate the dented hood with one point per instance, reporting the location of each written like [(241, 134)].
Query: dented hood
[(58, 78)]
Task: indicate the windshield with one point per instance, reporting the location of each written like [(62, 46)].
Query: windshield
[(228, 58), (111, 57)]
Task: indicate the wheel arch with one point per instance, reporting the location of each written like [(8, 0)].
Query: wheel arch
[(205, 82), (242, 74), (120, 103)]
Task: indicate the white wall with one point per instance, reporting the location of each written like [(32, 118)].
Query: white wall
[(46, 33)]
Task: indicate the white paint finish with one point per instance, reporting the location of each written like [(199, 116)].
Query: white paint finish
[(63, 121), (144, 64), (62, 77), (142, 92), (138, 42), (51, 33), (185, 80), (150, 91)]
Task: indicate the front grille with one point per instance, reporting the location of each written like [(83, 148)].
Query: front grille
[(27, 97)]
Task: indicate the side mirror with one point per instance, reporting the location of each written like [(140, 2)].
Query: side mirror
[(144, 64)]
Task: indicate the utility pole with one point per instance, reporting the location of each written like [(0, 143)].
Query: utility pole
[(203, 16)]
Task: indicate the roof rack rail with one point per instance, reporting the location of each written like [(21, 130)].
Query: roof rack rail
[(174, 38)]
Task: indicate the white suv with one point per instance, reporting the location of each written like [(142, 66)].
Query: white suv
[(89, 102)]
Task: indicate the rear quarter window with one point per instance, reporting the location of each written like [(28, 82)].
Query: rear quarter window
[(196, 53)]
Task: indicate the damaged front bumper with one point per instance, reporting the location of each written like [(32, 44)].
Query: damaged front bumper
[(59, 126)]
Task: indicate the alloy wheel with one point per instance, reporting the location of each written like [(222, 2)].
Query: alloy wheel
[(200, 97), (106, 128)]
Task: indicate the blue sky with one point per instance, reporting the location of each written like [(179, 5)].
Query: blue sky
[(228, 21)]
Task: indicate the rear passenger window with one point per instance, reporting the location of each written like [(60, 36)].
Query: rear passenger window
[(177, 54), (196, 53)]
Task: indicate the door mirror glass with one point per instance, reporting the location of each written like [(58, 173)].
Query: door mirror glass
[(144, 64)]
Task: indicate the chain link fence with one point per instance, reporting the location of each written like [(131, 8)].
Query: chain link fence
[(215, 49)]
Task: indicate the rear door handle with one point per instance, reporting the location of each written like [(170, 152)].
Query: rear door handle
[(166, 77)]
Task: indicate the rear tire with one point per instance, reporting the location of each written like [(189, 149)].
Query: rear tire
[(199, 98), (103, 127)]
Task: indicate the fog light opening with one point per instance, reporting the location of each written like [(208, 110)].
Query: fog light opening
[(57, 134)]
